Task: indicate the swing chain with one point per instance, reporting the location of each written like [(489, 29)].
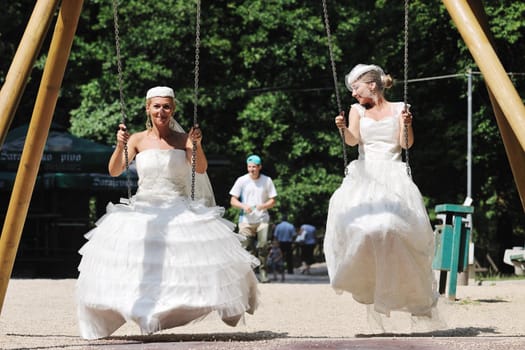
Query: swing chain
[(196, 96), (121, 91), (334, 76), (405, 90)]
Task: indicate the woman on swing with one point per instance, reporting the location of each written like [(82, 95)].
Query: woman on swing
[(379, 240), (163, 260)]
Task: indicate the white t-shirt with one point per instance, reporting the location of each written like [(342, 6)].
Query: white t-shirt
[(253, 192)]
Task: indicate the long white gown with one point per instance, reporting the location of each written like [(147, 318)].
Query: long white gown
[(163, 260), (379, 241)]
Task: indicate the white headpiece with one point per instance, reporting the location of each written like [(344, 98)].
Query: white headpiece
[(160, 91), (358, 71)]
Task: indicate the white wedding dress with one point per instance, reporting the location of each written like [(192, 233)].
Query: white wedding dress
[(163, 260), (379, 240)]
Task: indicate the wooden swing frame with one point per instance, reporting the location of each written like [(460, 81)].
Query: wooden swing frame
[(468, 16)]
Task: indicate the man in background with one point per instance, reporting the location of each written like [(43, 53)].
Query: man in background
[(254, 193)]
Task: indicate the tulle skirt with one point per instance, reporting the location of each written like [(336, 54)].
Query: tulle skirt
[(379, 241), (162, 265)]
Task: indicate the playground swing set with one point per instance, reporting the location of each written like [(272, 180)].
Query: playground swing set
[(451, 238)]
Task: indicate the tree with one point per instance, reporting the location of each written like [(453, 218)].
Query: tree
[(266, 87)]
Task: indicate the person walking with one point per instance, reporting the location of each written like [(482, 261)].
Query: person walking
[(284, 233), (307, 242), (254, 193)]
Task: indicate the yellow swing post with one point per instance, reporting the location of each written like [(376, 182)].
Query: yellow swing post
[(507, 104), (25, 56), (43, 111)]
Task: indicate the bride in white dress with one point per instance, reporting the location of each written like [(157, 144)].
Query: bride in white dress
[(163, 260), (379, 240)]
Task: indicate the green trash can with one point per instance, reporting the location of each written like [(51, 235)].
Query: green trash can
[(452, 238)]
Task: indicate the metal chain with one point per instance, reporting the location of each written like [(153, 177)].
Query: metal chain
[(334, 76), (405, 90), (196, 96), (121, 90)]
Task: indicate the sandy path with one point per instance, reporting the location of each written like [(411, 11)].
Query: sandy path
[(40, 314)]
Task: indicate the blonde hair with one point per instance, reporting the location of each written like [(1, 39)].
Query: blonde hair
[(383, 81)]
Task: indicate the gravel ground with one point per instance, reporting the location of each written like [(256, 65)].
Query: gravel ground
[(301, 313)]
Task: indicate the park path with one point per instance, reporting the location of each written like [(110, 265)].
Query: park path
[(301, 313)]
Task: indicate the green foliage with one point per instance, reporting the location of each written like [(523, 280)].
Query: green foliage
[(507, 20), (304, 195)]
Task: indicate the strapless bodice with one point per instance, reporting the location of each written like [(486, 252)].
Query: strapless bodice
[(162, 171), (380, 138)]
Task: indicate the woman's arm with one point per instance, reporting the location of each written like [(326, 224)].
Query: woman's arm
[(351, 133), (117, 162), (406, 120)]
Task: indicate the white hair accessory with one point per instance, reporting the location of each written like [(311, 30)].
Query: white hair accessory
[(358, 71), (160, 91)]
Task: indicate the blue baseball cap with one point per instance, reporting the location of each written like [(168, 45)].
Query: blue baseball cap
[(255, 159)]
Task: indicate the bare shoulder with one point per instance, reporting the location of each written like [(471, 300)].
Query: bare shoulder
[(139, 135), (136, 138), (398, 107), (354, 111)]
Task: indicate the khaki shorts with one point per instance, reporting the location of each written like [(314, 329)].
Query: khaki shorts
[(259, 231)]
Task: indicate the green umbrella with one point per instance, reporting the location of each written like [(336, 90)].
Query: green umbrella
[(63, 152), (68, 162), (76, 181), (92, 181)]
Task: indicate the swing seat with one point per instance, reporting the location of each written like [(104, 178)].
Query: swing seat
[(518, 260)]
